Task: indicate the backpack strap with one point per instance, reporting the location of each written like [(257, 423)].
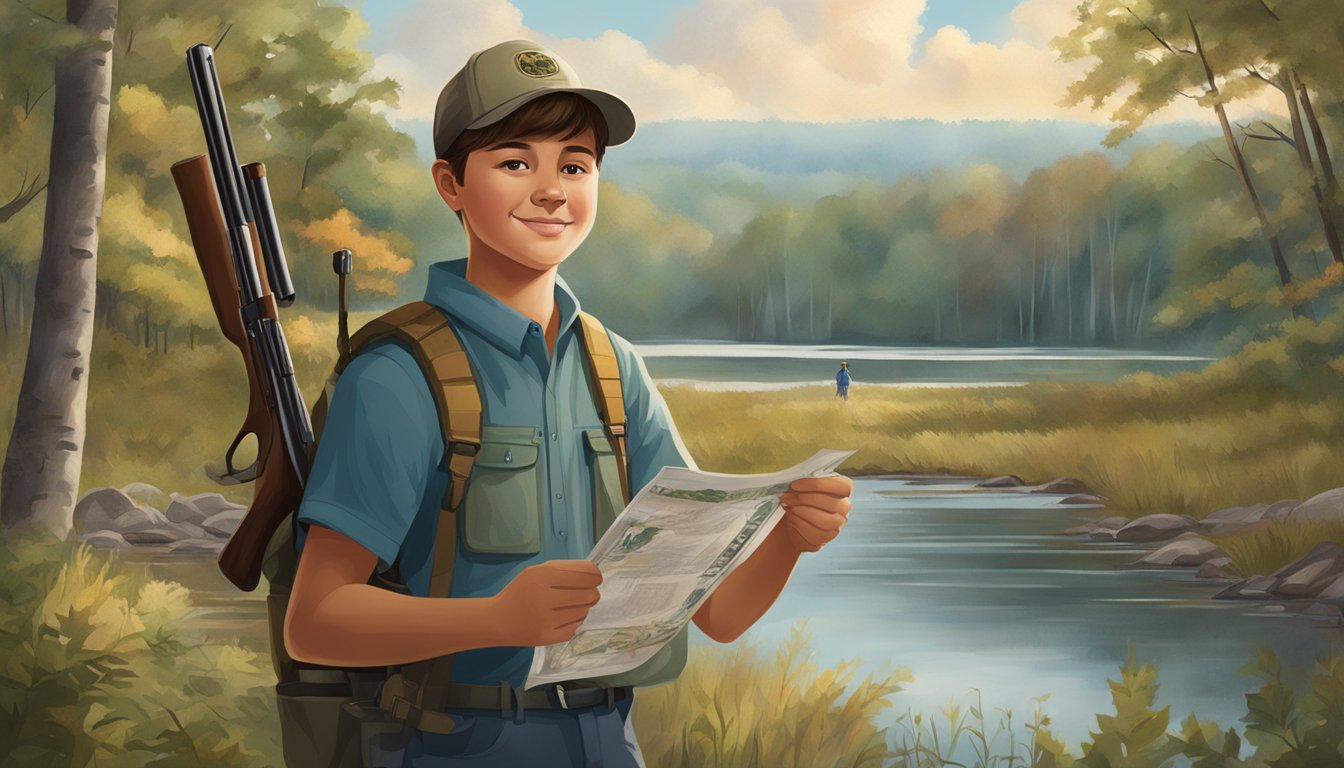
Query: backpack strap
[(444, 363), (606, 373)]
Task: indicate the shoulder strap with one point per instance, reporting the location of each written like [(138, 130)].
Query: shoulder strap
[(444, 363), (606, 373)]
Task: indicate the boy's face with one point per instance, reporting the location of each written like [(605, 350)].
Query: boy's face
[(531, 200)]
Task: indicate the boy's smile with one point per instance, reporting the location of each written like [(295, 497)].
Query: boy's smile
[(531, 200)]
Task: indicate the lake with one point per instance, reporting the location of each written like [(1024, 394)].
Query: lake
[(725, 365)]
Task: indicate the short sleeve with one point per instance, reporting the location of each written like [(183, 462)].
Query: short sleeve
[(652, 439), (380, 444)]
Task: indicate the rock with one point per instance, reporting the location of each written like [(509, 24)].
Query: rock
[(1241, 515), (194, 546), (1067, 485), (1079, 530), (1333, 591), (106, 540), (150, 536), (1254, 588), (1215, 568), (1082, 498), (1311, 574), (1002, 481), (1102, 534), (1323, 506), (111, 510), (196, 509), (1187, 551), (1114, 522), (223, 524), (1281, 510), (146, 495), (1155, 527)]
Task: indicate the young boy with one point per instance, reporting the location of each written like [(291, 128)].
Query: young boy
[(520, 143)]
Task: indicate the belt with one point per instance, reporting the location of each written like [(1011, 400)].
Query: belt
[(399, 700)]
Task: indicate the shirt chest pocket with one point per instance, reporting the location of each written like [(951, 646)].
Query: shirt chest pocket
[(502, 507)]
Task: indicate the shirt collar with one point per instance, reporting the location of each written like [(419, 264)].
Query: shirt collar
[(500, 324)]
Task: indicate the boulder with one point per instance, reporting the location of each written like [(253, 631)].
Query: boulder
[(108, 509), (1187, 551), (146, 495), (1311, 574), (1066, 485), (1102, 534), (1082, 498), (106, 540), (1079, 530), (1281, 510), (150, 537), (1328, 505), (1325, 610), (196, 509), (1114, 522), (1002, 481), (223, 524), (1254, 588), (1241, 515), (1215, 568), (1155, 527), (1333, 591)]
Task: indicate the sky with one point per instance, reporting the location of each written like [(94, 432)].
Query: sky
[(794, 60)]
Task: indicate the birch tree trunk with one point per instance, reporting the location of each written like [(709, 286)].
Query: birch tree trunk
[(40, 481)]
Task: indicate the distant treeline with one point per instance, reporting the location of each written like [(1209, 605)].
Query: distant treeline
[(1178, 244)]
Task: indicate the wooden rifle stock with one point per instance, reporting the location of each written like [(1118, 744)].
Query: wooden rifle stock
[(278, 491)]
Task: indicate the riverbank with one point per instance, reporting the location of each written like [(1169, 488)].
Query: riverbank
[(108, 666)]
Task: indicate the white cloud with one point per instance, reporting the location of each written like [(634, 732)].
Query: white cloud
[(806, 60)]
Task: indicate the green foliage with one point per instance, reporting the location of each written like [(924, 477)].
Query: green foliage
[(1136, 735), (101, 666)]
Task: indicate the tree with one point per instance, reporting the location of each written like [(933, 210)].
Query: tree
[(1158, 52), (42, 465)]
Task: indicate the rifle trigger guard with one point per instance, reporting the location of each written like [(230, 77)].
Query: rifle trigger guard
[(234, 476)]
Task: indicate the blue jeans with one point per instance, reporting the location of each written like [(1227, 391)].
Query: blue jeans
[(842, 390), (594, 737)]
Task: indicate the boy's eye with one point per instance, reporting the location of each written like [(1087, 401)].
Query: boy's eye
[(574, 169), (513, 165)]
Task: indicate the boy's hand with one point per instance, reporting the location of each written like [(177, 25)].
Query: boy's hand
[(546, 603), (815, 509)]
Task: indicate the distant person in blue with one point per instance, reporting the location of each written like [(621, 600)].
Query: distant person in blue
[(842, 382)]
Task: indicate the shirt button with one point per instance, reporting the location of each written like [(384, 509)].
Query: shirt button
[(553, 437), (562, 534), (534, 329), (559, 495)]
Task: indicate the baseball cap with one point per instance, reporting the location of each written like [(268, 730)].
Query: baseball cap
[(502, 78)]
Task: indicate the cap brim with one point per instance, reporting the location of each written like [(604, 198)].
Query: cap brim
[(620, 119)]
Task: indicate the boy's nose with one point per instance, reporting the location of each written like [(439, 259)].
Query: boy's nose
[(548, 195)]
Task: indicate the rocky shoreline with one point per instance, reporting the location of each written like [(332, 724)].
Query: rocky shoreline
[(140, 515)]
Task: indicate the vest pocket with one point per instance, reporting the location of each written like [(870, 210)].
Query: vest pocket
[(501, 509), (606, 480)]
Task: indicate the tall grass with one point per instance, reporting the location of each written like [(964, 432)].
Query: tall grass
[(1266, 549), (741, 707), (1149, 444)]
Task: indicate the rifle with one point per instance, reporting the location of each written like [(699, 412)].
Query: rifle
[(237, 243)]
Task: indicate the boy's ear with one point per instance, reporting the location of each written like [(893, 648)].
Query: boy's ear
[(446, 183)]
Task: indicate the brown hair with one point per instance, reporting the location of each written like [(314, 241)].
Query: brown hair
[(556, 114)]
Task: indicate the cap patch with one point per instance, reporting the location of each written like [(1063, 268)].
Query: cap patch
[(536, 64)]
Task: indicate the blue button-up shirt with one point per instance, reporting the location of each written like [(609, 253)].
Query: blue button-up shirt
[(379, 474)]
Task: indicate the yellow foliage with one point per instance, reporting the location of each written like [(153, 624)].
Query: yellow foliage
[(85, 595), (126, 219), (373, 253), (148, 118)]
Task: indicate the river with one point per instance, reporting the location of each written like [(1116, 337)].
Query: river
[(974, 589)]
